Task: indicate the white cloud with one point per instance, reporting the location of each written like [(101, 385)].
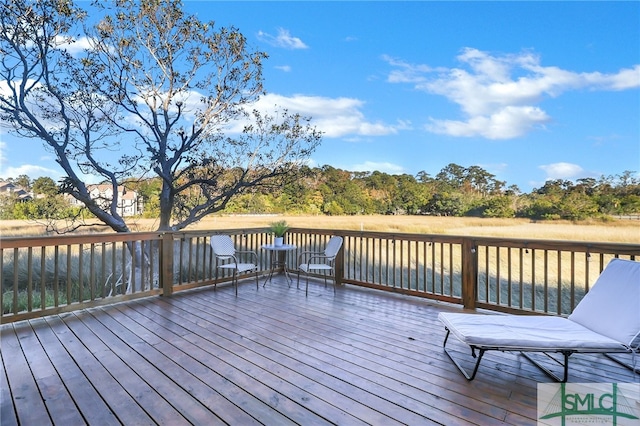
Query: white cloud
[(283, 39), (3, 156), (31, 170), (498, 94), (372, 166), (406, 72), (335, 117), (73, 46), (563, 171), (508, 123), (285, 68), (626, 79)]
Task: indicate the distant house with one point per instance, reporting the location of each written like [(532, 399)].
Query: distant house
[(129, 202), (8, 189)]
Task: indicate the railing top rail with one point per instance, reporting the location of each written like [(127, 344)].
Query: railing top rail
[(563, 245), (209, 232), (18, 242), (532, 243), (385, 235)]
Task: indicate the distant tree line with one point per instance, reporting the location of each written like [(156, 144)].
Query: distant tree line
[(454, 191)]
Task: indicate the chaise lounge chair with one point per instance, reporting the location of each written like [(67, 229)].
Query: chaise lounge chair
[(607, 320)]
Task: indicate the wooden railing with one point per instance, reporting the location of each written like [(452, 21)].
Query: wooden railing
[(502, 274), (540, 276), (47, 275)]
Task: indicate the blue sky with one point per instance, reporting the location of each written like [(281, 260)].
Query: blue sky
[(529, 91)]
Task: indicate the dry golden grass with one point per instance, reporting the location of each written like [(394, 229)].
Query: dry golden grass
[(618, 231)]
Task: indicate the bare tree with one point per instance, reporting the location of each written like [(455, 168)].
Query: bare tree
[(157, 86), (155, 93), (180, 85), (42, 97)]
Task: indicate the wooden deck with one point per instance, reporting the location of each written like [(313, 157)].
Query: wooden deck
[(271, 356)]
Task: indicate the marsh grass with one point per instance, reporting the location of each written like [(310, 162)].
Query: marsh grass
[(71, 275), (419, 266), (60, 277), (535, 280), (22, 303), (615, 230)]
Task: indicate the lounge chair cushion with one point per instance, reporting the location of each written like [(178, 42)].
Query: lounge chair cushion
[(521, 332), (612, 305)]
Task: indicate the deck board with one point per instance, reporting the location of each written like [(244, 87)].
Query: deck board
[(61, 405), (268, 356), (7, 412), (29, 406), (86, 352)]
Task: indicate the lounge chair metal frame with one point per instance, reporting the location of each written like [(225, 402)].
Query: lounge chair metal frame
[(566, 353), (616, 293)]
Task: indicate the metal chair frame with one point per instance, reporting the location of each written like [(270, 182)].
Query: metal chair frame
[(227, 257), (320, 261)]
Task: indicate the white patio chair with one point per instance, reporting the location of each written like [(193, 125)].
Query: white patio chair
[(310, 262), (227, 257)]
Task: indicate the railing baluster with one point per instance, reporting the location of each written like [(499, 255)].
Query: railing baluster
[(545, 266), (441, 268), (498, 278), (360, 258), (419, 248), (103, 271), (573, 282), (16, 271), (433, 266), (367, 256), (114, 271), (43, 293), (520, 278), (92, 271), (421, 260), (181, 261), (29, 279), (533, 279), (587, 263), (80, 274), (197, 267), (123, 264), (69, 276), (486, 289), (402, 267), (559, 285), (144, 267), (380, 257), (152, 263)]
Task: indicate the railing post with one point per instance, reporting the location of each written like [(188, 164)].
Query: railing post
[(469, 273), (166, 264)]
